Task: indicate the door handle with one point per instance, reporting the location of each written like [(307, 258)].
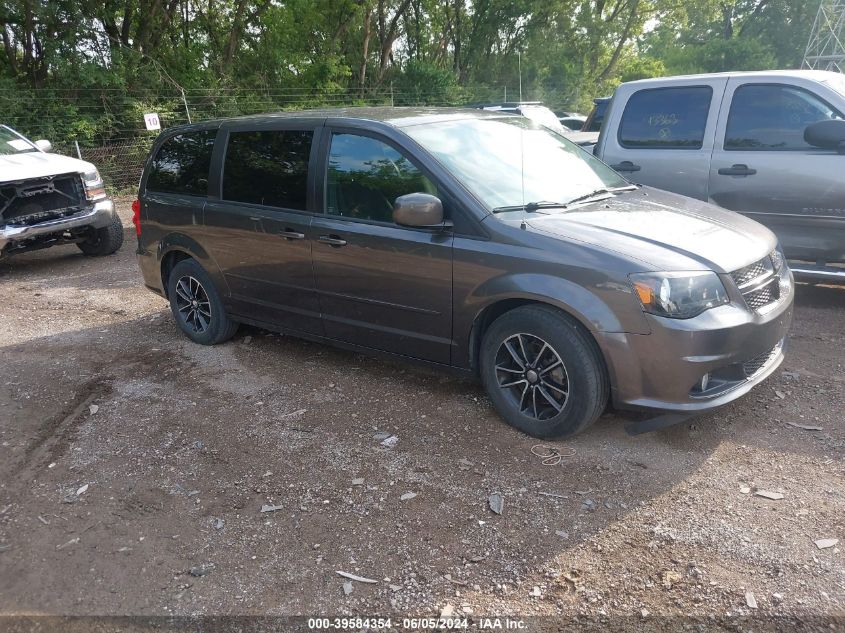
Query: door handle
[(626, 166), (332, 240), (290, 234), (737, 170)]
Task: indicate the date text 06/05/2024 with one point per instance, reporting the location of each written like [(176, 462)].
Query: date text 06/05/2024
[(431, 623)]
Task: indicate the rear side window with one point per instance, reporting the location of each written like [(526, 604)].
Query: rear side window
[(269, 167), (594, 122), (666, 118), (773, 117), (181, 164), (366, 176)]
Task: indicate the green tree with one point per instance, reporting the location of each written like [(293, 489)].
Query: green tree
[(84, 69)]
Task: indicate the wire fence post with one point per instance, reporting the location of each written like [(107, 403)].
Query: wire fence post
[(78, 153), (391, 94), (185, 101)]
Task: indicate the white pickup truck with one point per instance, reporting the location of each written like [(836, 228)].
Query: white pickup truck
[(770, 145), (48, 199)]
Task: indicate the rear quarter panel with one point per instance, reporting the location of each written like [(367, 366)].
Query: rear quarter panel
[(170, 222)]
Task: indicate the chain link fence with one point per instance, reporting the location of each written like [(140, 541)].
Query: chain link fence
[(119, 163), (106, 126)]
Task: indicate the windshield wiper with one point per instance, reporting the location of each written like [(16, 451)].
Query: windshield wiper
[(601, 191), (532, 206)]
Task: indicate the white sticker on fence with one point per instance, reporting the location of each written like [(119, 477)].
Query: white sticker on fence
[(152, 122)]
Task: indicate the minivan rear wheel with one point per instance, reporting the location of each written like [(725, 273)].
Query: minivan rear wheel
[(196, 305), (543, 373)]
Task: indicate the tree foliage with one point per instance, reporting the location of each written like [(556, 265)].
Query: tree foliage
[(91, 64), (723, 35)]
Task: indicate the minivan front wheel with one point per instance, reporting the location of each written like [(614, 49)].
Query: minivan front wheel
[(196, 305), (542, 372)]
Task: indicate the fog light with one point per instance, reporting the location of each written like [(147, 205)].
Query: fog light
[(704, 382)]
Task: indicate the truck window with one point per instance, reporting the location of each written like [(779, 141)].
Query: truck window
[(596, 118), (181, 164), (666, 118), (269, 167), (773, 117)]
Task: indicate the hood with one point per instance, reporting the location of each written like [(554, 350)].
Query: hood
[(39, 164), (664, 230)]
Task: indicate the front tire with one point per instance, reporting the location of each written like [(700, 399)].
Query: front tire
[(543, 372), (104, 241), (196, 305)]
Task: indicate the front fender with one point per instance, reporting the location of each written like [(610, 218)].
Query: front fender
[(606, 307), (599, 303)]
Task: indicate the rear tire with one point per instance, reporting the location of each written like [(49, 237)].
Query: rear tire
[(543, 372), (196, 305), (104, 241)]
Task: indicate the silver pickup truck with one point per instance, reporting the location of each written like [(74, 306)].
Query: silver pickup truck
[(48, 199), (770, 145)]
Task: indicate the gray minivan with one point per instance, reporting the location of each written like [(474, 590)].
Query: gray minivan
[(470, 240)]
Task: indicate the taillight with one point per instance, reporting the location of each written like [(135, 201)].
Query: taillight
[(136, 216)]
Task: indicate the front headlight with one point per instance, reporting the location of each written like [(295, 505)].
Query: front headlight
[(783, 272), (778, 260), (94, 186), (681, 295)]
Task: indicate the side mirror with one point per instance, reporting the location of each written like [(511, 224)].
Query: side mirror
[(44, 145), (827, 135), (418, 209)]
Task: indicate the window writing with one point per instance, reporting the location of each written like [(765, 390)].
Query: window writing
[(666, 118)]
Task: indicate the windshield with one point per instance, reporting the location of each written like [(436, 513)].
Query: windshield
[(12, 143), (511, 161)]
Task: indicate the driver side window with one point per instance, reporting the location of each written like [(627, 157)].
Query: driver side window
[(366, 175), (773, 117)]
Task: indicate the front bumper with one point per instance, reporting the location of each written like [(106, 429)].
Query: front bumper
[(98, 215), (663, 370)]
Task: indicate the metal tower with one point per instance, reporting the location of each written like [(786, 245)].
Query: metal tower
[(825, 50)]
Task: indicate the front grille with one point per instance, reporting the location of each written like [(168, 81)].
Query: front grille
[(759, 283), (761, 297), (32, 201), (753, 366), (746, 276)]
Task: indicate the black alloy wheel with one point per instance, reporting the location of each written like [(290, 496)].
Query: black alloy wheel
[(193, 304), (533, 376)]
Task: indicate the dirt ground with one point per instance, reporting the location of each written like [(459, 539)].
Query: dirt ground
[(134, 466)]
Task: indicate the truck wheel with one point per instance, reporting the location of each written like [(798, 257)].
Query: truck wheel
[(104, 241), (543, 372), (196, 305)]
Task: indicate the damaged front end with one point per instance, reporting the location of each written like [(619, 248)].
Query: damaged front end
[(50, 210)]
